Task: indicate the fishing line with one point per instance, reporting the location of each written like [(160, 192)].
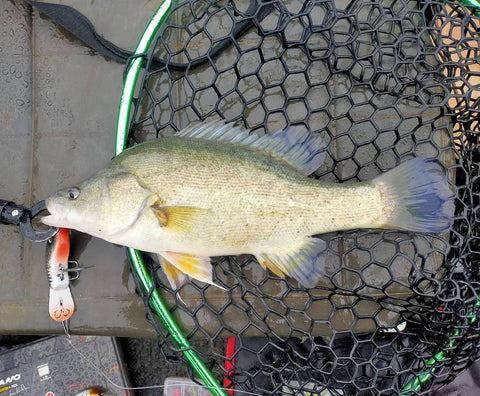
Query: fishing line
[(121, 387)]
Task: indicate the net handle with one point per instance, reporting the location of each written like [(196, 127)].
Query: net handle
[(132, 72)]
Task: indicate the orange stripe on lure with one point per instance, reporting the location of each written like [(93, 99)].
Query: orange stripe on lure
[(62, 245), (61, 305)]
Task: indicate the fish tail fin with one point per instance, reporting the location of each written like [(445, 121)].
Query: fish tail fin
[(416, 197)]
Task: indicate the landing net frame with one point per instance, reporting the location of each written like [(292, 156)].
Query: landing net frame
[(411, 63)]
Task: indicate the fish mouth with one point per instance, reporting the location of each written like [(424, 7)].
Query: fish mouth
[(51, 220)]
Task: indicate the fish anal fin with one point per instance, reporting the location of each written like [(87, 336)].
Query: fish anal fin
[(189, 265), (178, 218), (267, 263), (303, 261)]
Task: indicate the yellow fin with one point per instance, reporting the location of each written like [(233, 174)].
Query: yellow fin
[(175, 277), (178, 218), (195, 267), (266, 262), (302, 261)]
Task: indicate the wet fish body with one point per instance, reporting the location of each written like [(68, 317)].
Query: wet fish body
[(214, 190)]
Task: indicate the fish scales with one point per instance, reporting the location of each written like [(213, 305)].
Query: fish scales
[(267, 201)]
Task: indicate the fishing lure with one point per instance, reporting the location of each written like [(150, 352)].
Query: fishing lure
[(90, 392), (61, 305)]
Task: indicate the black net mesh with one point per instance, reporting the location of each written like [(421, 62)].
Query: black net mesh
[(381, 81)]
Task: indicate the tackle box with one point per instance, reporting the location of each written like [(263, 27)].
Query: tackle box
[(52, 366)]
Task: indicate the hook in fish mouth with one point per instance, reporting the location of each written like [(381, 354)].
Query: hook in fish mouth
[(50, 220), (32, 233), (54, 216)]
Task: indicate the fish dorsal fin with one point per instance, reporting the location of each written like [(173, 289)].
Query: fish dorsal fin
[(303, 261), (301, 148)]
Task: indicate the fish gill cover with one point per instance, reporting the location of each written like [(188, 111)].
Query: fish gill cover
[(381, 82)]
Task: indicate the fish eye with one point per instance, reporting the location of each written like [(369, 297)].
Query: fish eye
[(73, 193)]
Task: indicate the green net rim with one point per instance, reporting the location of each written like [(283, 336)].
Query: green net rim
[(133, 67)]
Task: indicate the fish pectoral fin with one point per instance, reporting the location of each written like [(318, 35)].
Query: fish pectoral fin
[(184, 264), (179, 218), (303, 261)]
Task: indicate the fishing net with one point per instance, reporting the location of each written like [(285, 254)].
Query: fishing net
[(381, 82)]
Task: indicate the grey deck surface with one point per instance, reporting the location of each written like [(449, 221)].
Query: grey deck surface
[(58, 109)]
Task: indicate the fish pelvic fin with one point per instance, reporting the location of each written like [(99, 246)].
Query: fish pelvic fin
[(177, 218), (179, 266), (303, 261), (175, 277), (301, 148), (416, 197)]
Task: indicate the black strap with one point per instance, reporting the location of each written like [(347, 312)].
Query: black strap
[(81, 27)]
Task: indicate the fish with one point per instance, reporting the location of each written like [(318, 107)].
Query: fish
[(61, 305), (215, 189)]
